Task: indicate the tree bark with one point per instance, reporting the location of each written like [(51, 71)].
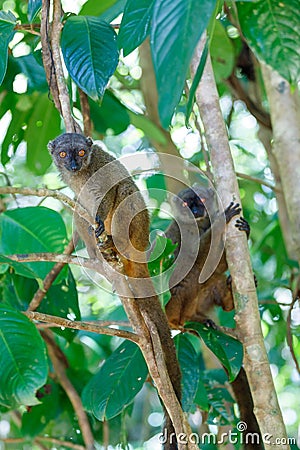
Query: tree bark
[(285, 118), (247, 317)]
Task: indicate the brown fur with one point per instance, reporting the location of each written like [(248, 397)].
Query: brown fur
[(106, 194)]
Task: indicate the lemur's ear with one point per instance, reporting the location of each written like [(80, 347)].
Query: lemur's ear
[(51, 146), (89, 141)]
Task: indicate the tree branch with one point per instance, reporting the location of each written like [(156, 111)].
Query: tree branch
[(258, 180), (237, 254), (86, 113), (71, 392), (43, 192), (63, 94), (84, 326)]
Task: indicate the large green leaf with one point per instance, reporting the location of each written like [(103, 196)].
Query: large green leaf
[(227, 349), (221, 52), (32, 229), (39, 416), (7, 24), (90, 53), (176, 28), (272, 30), (116, 384), (219, 399), (34, 7), (23, 361), (135, 25), (96, 8), (190, 369), (17, 266), (111, 114), (15, 133), (61, 299), (43, 125), (34, 72)]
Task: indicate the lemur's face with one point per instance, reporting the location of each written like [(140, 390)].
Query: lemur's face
[(71, 151), (190, 199), (190, 203)]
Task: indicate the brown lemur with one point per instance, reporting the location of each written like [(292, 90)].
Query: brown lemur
[(105, 189), (191, 301)]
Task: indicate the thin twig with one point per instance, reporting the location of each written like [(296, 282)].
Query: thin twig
[(289, 337), (28, 28), (43, 192), (84, 326), (50, 278), (258, 180), (261, 116), (86, 113), (57, 258), (59, 442), (71, 392)]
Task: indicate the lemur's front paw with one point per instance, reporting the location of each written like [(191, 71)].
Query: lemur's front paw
[(233, 209), (100, 227), (243, 225)]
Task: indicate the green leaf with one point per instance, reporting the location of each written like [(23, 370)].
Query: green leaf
[(61, 299), (222, 53), (221, 403), (23, 360), (227, 349), (201, 397), (177, 26), (161, 267), (148, 127), (43, 125), (39, 416), (117, 383), (32, 229), (34, 7), (7, 24), (195, 82), (15, 133), (34, 72), (90, 53), (96, 8), (135, 25), (272, 30), (190, 369), (17, 266), (112, 114)]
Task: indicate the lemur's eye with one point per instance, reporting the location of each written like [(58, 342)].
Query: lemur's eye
[(81, 152), (62, 154)]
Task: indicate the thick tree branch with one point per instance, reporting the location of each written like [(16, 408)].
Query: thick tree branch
[(59, 74), (247, 317), (285, 117)]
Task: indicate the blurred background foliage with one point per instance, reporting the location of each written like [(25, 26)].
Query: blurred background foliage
[(28, 120)]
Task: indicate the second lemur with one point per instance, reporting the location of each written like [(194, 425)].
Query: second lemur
[(105, 189), (189, 299), (192, 301)]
